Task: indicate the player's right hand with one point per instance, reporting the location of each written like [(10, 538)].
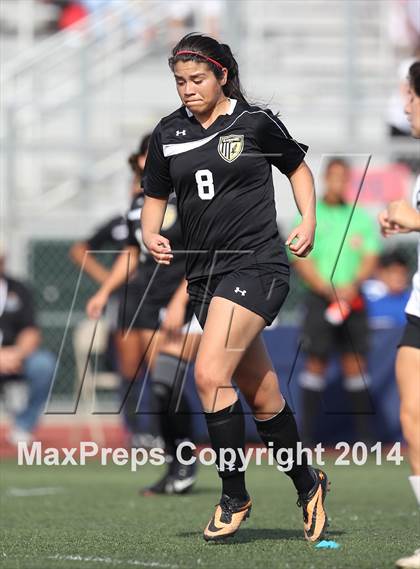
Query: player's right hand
[(159, 248), (96, 304), (301, 239), (387, 227)]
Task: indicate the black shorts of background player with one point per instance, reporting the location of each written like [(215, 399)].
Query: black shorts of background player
[(112, 235), (216, 152), (156, 336)]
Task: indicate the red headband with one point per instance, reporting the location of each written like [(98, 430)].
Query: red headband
[(187, 52)]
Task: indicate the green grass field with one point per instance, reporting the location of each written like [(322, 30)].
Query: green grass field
[(93, 517)]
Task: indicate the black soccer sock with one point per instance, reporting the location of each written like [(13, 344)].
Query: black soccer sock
[(312, 388), (174, 410), (281, 431), (154, 410), (227, 431), (129, 393), (361, 406)]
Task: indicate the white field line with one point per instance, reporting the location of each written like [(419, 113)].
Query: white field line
[(111, 561), (107, 560), (26, 492)]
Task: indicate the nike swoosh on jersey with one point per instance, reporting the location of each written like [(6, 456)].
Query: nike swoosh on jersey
[(172, 149)]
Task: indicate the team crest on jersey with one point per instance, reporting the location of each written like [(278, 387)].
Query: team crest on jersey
[(231, 146)]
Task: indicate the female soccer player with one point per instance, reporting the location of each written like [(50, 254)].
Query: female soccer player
[(401, 217), (216, 152), (114, 234), (144, 339)]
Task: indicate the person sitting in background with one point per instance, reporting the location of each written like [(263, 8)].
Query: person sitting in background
[(21, 355), (335, 311), (388, 292)]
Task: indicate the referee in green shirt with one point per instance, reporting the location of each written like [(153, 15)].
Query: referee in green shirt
[(336, 318)]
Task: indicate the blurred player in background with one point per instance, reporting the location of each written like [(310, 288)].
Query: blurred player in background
[(21, 357), (401, 217), (154, 318), (113, 235), (335, 311), (237, 267)]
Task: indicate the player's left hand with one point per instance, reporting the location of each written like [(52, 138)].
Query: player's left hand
[(301, 239)]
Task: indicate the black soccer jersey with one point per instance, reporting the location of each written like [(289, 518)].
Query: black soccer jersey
[(223, 181), (168, 277), (113, 232)]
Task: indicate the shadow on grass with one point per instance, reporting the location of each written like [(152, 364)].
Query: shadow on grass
[(202, 490), (248, 535)]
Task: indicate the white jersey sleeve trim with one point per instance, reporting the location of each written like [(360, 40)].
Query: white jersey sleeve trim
[(181, 147)]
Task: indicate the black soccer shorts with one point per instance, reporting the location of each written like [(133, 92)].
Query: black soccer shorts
[(321, 339), (411, 334), (139, 310), (261, 288)]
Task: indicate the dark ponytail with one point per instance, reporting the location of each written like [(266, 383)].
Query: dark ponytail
[(414, 77), (207, 47)]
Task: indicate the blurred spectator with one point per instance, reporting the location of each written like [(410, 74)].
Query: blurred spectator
[(181, 18), (21, 357), (404, 25), (188, 14), (335, 311), (388, 292), (69, 12), (211, 12), (131, 14)]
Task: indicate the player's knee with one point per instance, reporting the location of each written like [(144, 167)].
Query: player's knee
[(410, 422), (410, 414), (207, 378)]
